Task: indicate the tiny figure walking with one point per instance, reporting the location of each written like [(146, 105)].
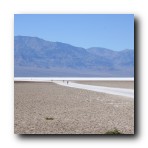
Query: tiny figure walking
[(67, 82)]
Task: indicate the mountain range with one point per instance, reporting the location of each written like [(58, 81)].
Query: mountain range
[(35, 57)]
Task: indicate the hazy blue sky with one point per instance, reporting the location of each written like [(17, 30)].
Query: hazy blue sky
[(110, 31)]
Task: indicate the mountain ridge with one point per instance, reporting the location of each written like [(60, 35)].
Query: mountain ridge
[(35, 53)]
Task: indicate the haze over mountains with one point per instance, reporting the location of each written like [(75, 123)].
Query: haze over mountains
[(35, 57)]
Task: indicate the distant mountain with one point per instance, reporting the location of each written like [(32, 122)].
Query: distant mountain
[(36, 57)]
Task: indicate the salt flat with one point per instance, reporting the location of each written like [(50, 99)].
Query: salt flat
[(102, 89), (48, 108)]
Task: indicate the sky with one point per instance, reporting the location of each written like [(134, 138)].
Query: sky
[(112, 31)]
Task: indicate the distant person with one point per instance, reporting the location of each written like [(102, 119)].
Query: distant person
[(67, 82)]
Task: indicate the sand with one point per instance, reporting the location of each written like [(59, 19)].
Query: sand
[(48, 108), (118, 84)]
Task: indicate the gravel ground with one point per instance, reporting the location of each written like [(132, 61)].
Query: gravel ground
[(119, 84), (48, 108)]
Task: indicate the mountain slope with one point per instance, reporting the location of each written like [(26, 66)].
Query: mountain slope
[(36, 57)]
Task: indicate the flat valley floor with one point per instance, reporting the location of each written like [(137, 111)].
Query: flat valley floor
[(48, 108)]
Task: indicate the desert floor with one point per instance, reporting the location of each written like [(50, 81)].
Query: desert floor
[(118, 84), (48, 108)]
